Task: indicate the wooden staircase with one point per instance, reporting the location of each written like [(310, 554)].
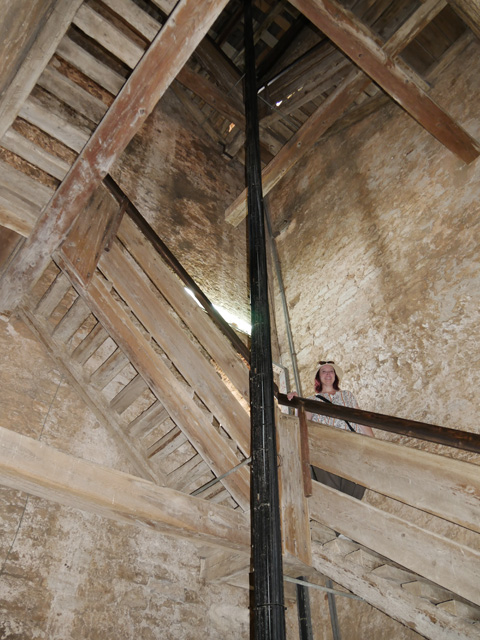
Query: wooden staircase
[(173, 393), (426, 607), (167, 401)]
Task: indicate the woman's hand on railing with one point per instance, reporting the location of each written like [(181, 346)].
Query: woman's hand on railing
[(292, 394)]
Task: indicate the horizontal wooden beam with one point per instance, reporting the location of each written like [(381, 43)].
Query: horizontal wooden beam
[(31, 466), (168, 53), (442, 486), (433, 556)]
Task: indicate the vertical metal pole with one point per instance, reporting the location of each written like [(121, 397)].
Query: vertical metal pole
[(269, 612), (303, 612)]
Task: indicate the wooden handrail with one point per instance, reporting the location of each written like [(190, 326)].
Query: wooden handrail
[(465, 440), (175, 265)]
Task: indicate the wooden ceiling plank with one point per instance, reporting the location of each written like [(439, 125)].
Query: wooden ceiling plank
[(31, 466), (141, 21), (155, 415), (171, 392), (71, 321), (106, 34), (361, 45), (167, 444), (16, 213), (25, 148), (36, 60), (27, 187), (158, 67), (127, 396), (109, 369), (71, 134), (90, 343), (72, 94), (93, 68)]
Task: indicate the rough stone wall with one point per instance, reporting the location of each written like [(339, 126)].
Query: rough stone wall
[(378, 233), (65, 573)]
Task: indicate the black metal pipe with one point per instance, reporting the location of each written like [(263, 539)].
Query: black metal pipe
[(269, 610), (303, 612), (466, 440)]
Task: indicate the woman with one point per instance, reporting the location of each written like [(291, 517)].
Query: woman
[(327, 388)]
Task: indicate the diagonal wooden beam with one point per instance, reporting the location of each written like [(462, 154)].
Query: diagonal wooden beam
[(34, 467), (167, 54), (321, 120), (433, 556), (361, 45)]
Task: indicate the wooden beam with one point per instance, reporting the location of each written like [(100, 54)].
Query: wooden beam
[(168, 53), (443, 486), (410, 29), (16, 213), (431, 555), (212, 95), (31, 466), (469, 11), (36, 59), (173, 394), (91, 232), (360, 44), (36, 155), (388, 595), (296, 538)]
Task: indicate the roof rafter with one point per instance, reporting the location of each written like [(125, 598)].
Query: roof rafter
[(360, 44), (167, 54)]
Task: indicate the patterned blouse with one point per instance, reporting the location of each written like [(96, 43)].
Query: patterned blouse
[(342, 398)]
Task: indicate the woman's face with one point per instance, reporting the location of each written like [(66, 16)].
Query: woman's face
[(327, 375)]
